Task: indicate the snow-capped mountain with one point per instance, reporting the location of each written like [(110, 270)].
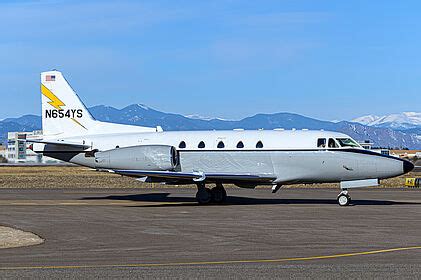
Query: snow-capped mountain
[(199, 117), (401, 121), (366, 120)]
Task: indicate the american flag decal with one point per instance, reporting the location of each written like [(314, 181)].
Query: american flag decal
[(50, 78)]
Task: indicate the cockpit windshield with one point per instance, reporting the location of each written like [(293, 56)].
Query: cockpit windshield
[(348, 142)]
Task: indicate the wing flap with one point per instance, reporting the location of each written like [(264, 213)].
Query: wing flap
[(159, 174), (198, 176)]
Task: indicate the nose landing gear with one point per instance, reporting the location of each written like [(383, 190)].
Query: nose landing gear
[(344, 199), (206, 195)]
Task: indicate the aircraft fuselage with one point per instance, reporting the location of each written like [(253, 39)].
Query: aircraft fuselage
[(290, 156)]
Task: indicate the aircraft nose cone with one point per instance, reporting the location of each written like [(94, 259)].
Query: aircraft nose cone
[(407, 166)]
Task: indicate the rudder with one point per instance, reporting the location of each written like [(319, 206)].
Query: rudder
[(63, 113)]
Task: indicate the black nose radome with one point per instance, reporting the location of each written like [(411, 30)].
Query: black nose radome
[(407, 166)]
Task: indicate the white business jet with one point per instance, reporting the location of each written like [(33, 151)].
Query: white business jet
[(240, 157)]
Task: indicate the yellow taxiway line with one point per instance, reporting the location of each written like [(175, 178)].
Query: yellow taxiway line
[(146, 265)]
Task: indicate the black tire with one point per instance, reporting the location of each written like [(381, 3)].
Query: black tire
[(344, 200), (219, 195), (204, 196)]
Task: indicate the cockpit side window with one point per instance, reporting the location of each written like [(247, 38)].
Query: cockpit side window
[(332, 143), (347, 142), (321, 143)]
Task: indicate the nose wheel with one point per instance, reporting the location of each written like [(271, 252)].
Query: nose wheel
[(344, 199)]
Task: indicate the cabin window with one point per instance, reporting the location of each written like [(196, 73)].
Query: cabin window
[(201, 145), (321, 143), (221, 145), (240, 145), (259, 145), (332, 143), (182, 145)]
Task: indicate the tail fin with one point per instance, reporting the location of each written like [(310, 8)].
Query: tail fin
[(63, 113)]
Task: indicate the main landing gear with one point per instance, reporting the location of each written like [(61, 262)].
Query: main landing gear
[(344, 199), (206, 195)]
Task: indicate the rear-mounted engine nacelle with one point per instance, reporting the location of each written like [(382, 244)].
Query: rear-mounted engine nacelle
[(148, 157)]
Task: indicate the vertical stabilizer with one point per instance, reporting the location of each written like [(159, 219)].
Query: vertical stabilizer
[(63, 113)]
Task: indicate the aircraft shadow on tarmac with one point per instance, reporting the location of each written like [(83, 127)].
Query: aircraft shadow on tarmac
[(234, 200)]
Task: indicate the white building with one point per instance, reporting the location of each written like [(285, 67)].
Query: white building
[(2, 151), (17, 149), (368, 145)]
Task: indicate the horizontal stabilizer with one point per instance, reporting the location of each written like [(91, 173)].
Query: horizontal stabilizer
[(59, 143)]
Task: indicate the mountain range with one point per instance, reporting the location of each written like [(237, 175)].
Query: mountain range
[(380, 130), (401, 121)]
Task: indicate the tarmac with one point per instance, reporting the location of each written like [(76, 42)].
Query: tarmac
[(163, 233)]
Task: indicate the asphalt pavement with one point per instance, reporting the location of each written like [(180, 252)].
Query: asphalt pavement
[(163, 233)]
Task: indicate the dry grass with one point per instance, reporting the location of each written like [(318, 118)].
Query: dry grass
[(80, 177), (62, 177)]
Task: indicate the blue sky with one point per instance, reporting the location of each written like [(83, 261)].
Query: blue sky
[(325, 59)]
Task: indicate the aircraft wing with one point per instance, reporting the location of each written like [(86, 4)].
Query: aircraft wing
[(198, 176), (59, 142)]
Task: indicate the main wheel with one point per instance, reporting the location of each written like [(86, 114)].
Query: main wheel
[(344, 200), (204, 196), (219, 194)]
